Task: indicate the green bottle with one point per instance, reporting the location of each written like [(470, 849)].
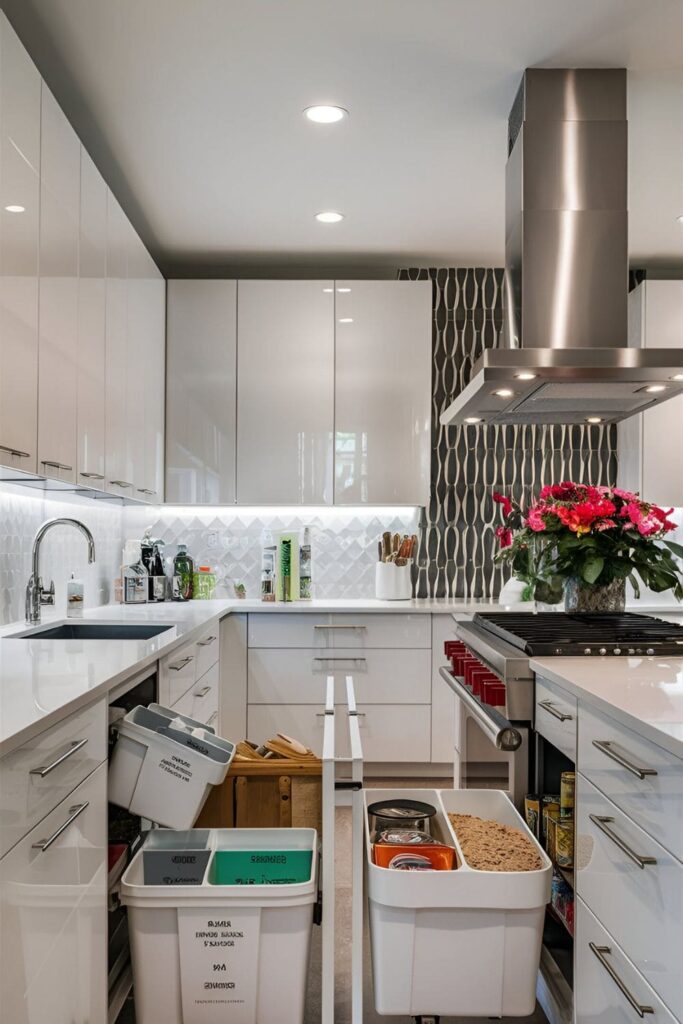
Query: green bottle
[(183, 570)]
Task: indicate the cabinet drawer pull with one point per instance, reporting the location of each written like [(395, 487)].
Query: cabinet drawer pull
[(120, 483), (548, 706), (602, 822), (605, 747), (207, 642), (212, 718), (341, 657), (45, 844), (92, 476), (339, 626), (55, 465), (203, 692), (602, 952), (44, 770), (15, 452), (145, 490), (322, 714), (182, 663)]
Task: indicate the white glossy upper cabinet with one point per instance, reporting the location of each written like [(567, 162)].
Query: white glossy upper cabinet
[(137, 341), (155, 384), (115, 351), (201, 392), (60, 174), (285, 392), (650, 458), (91, 324), (19, 187), (382, 392)]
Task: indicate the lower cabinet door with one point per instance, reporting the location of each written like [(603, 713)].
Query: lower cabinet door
[(607, 987), (53, 914), (389, 733)]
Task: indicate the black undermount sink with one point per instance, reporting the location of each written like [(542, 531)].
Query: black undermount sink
[(95, 631)]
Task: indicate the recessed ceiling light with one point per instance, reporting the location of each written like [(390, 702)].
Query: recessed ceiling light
[(525, 376), (15, 208), (504, 393), (329, 217), (325, 113), (343, 289), (654, 388), (346, 320), (473, 419), (593, 419)]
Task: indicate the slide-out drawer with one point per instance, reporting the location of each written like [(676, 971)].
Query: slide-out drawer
[(388, 732), (555, 716), (201, 700), (634, 887), (179, 670), (641, 778), (297, 676), (36, 776), (607, 986), (398, 629)]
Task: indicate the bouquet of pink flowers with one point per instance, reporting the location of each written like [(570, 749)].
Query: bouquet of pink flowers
[(596, 535)]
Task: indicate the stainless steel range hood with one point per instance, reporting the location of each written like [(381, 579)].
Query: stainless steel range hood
[(564, 356)]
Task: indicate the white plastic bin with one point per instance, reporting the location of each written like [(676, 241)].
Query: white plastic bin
[(456, 943), (209, 953), (163, 765)]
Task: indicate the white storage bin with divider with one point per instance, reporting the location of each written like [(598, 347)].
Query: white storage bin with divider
[(164, 764), (458, 943)]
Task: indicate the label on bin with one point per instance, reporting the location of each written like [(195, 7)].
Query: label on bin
[(174, 867), (219, 964)]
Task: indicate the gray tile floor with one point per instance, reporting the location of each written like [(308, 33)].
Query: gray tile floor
[(343, 927)]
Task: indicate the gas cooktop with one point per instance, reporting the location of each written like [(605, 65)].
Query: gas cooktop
[(559, 633)]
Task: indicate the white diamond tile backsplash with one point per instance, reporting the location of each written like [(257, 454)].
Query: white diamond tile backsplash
[(63, 551), (343, 541)]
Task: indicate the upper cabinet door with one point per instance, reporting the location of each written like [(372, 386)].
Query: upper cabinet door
[(137, 346), (155, 377), (91, 323), (20, 188), (382, 392), (201, 392), (115, 351), (60, 173), (285, 392)]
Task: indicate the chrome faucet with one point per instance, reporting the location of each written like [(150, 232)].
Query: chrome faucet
[(36, 594)]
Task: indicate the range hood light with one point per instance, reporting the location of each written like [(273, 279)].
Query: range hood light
[(654, 388), (593, 419), (473, 419), (677, 376), (504, 393), (525, 376)]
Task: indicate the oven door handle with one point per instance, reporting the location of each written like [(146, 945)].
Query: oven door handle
[(499, 730)]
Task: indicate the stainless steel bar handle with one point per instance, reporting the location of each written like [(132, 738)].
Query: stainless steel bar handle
[(602, 952), (45, 844), (602, 822), (92, 476), (55, 465), (205, 643), (496, 726), (203, 692), (120, 483), (145, 490), (15, 452), (182, 663), (605, 747), (338, 626), (548, 706), (212, 718), (342, 657), (357, 714), (44, 770)]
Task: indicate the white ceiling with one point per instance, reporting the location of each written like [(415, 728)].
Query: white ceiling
[(193, 112)]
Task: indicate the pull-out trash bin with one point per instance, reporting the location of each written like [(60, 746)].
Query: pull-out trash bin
[(456, 943), (233, 946), (164, 764)]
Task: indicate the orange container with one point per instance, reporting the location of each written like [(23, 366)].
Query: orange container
[(441, 858)]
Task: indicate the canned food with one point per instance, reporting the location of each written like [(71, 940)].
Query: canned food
[(567, 784)]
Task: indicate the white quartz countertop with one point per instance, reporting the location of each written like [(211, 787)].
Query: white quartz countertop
[(645, 694)]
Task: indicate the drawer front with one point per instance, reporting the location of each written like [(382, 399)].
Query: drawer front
[(339, 631), (204, 697), (642, 907), (290, 676), (207, 649), (600, 996), (398, 733), (555, 716), (53, 913), (177, 674), (37, 776), (621, 764)]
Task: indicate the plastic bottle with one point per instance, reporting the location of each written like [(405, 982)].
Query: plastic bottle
[(74, 598), (183, 571), (268, 559), (305, 575)]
